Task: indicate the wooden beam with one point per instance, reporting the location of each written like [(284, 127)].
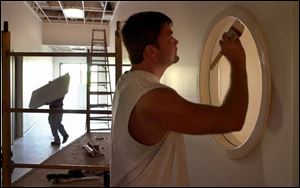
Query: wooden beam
[(60, 54), (63, 166), (88, 85), (118, 46), (61, 111), (19, 95), (6, 132)]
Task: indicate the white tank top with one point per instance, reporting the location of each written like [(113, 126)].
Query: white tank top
[(135, 164)]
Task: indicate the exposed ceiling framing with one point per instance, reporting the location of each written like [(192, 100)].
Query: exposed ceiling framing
[(95, 12)]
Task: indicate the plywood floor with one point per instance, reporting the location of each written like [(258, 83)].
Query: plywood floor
[(35, 146), (71, 154)]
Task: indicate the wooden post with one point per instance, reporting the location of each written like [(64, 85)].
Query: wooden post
[(6, 134), (19, 96), (88, 85), (118, 46)]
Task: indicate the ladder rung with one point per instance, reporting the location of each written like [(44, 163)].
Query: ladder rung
[(105, 129), (99, 47), (100, 83), (98, 42), (99, 105), (100, 71), (100, 93), (99, 60), (100, 118), (98, 39), (102, 65), (98, 50), (98, 30)]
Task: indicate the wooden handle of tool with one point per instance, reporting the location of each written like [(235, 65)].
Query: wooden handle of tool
[(216, 60)]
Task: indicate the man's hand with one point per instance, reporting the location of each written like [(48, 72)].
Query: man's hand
[(232, 49)]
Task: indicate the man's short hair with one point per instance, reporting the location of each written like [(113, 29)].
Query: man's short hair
[(140, 30)]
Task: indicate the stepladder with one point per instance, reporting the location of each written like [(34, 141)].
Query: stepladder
[(99, 89)]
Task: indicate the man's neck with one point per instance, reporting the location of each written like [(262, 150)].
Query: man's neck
[(152, 69)]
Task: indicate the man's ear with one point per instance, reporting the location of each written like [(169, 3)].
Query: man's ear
[(150, 52)]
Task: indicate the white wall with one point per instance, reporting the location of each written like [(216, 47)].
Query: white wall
[(26, 36), (275, 161), (70, 34)]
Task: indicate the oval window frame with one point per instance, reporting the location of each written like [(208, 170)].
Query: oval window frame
[(251, 142)]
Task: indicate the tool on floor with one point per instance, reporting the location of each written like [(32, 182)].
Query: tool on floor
[(73, 175), (235, 31), (89, 150)]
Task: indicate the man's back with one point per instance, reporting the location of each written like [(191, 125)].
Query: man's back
[(133, 163)]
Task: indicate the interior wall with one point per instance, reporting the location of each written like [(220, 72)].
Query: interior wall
[(274, 162), (70, 34), (295, 115), (26, 36)]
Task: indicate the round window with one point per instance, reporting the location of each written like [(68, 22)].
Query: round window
[(214, 82)]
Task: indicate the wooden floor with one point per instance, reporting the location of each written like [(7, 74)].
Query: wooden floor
[(73, 154), (35, 146)]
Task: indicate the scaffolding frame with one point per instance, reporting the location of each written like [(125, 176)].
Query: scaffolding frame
[(7, 54)]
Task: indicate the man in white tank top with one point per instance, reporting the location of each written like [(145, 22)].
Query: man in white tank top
[(149, 118)]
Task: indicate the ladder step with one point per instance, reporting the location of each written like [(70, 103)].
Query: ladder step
[(101, 118), (99, 60), (98, 50), (99, 30), (101, 93), (104, 129), (98, 39), (98, 42), (98, 47), (102, 65), (100, 83), (99, 105), (100, 71)]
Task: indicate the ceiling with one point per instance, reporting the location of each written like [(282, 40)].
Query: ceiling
[(95, 12)]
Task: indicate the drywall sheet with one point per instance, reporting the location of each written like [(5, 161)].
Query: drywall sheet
[(50, 92)]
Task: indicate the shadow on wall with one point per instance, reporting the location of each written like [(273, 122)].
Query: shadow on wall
[(276, 108)]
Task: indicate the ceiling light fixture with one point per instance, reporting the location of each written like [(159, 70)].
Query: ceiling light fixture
[(73, 13)]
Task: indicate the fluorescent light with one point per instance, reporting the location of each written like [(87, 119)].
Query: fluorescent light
[(73, 13)]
